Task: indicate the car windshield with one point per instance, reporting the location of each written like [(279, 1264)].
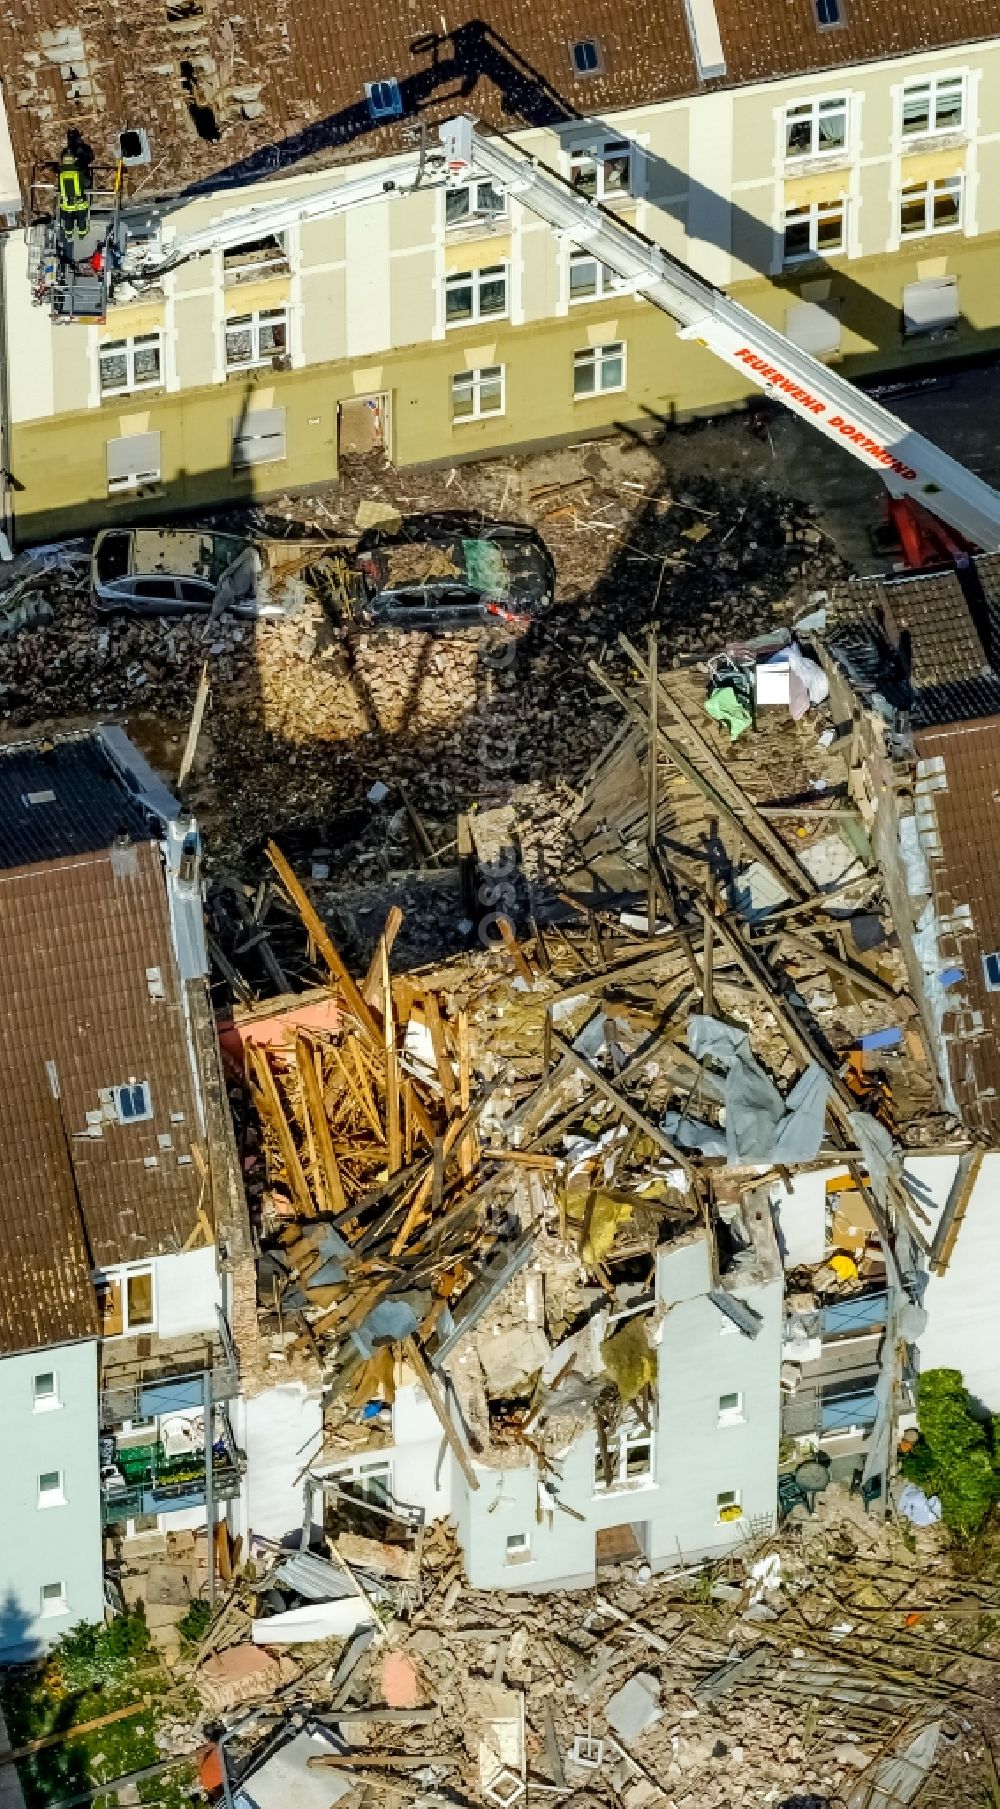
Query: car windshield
[(486, 567)]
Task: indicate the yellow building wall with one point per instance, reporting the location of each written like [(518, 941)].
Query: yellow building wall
[(365, 294), (61, 463)]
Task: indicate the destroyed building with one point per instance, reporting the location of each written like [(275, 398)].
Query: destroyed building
[(117, 1368)]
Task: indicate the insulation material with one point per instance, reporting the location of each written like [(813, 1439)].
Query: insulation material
[(629, 1360)]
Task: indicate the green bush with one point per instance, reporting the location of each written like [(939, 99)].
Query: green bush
[(955, 1457)]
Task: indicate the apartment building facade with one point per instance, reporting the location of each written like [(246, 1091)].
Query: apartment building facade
[(851, 204), (117, 1370)]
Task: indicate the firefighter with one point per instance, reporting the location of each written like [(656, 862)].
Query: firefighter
[(74, 195)]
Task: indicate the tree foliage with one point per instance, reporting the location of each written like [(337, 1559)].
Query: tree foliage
[(955, 1457)]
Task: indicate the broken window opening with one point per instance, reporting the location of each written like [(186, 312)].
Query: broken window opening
[(202, 116)]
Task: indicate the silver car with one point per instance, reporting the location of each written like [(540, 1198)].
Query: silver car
[(179, 571)]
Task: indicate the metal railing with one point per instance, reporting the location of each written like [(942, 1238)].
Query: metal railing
[(165, 1386)]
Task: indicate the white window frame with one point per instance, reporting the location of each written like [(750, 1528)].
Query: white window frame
[(517, 1549), (600, 152), (121, 1274), (933, 84), (359, 1474), (476, 215), (243, 436), (50, 1606), (474, 382), (477, 279), (598, 356), (929, 230), (629, 1437), (276, 263), (814, 212), (131, 1087), (252, 320), (384, 97), (605, 281), (728, 1498), (129, 346), (812, 111), (733, 1415), (55, 1495), (47, 1402), (135, 480)]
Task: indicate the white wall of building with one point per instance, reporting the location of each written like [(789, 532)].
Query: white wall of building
[(280, 1431), (675, 1510), (961, 1305), (188, 1291), (44, 1545)]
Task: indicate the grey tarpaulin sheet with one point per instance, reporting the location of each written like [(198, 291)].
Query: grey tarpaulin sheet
[(760, 1125)]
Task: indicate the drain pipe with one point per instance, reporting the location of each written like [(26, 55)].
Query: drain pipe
[(6, 494)]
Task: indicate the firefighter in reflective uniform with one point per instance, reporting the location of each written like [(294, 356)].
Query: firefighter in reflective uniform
[(74, 198)]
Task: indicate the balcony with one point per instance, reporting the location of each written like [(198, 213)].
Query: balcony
[(839, 1369), (144, 1377), (149, 1478)]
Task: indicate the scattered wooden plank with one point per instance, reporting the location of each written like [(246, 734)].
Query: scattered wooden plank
[(333, 1187), (429, 1384), (274, 1111), (319, 934)]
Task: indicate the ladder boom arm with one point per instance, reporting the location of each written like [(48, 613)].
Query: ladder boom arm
[(910, 465)]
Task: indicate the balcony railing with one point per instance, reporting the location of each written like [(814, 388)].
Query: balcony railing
[(168, 1383), (165, 1497)]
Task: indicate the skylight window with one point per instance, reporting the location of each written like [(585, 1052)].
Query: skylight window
[(133, 1101), (828, 14), (384, 98), (586, 57)]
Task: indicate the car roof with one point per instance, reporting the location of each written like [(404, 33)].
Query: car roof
[(183, 553)]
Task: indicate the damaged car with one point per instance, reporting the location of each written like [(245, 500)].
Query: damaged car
[(450, 571), (179, 571)]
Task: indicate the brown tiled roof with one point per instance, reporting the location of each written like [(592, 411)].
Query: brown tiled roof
[(967, 873), (272, 83), (78, 935)]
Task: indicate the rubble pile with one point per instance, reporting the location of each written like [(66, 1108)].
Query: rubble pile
[(307, 714), (811, 1671)]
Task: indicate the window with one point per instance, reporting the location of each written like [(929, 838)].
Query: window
[(475, 394), (259, 437), (482, 201), (828, 14), (384, 98), (589, 278), (599, 369), (518, 1550), (731, 1409), (727, 1506), (603, 170), (630, 1453), (585, 56), (127, 364), (991, 972), (255, 338), (132, 1101), (126, 1301), (816, 128), (815, 326), (926, 207), (50, 1489), (475, 295), (369, 1483), (133, 462), (931, 306), (54, 1598), (258, 257), (937, 105), (815, 231), (45, 1394)]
